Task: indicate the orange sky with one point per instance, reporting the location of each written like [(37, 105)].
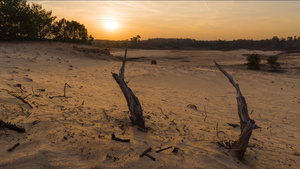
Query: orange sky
[(202, 20)]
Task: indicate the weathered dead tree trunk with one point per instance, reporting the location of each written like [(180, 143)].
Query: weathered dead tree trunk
[(133, 103), (247, 124)]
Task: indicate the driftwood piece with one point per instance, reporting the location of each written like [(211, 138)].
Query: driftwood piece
[(11, 126), (247, 124), (133, 103)]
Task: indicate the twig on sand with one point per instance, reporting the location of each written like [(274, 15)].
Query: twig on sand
[(163, 149), (151, 157), (13, 147), (22, 99), (113, 137), (66, 85), (146, 151)]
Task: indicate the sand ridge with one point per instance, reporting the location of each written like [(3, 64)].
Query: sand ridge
[(75, 132)]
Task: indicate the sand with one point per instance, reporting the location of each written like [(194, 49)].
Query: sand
[(75, 131)]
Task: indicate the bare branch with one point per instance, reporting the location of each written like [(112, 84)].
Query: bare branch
[(133, 103), (247, 124)]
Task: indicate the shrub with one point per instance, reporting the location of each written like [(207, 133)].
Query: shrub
[(153, 62), (253, 61), (272, 61)]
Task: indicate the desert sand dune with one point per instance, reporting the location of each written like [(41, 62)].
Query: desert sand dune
[(75, 131)]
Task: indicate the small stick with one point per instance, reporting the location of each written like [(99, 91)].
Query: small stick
[(22, 99), (152, 158), (113, 137), (217, 130), (146, 151), (13, 147), (205, 113), (163, 149), (66, 84)]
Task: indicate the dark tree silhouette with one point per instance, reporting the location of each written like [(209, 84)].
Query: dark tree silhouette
[(70, 31), (20, 21)]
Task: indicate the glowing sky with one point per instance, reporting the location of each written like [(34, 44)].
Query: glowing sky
[(202, 20)]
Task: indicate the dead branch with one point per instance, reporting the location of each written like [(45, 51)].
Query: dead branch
[(11, 126), (247, 124), (133, 103)]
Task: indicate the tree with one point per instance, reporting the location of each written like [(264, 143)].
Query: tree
[(40, 22), (21, 21), (12, 15), (70, 31), (135, 40), (253, 61), (272, 61)]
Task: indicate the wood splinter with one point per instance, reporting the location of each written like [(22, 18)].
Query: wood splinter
[(247, 124), (135, 108)]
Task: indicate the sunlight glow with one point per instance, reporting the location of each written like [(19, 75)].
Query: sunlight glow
[(111, 24)]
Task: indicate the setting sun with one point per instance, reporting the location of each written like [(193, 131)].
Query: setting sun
[(111, 24)]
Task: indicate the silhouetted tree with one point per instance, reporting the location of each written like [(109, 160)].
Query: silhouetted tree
[(13, 14), (21, 21), (40, 22), (70, 31)]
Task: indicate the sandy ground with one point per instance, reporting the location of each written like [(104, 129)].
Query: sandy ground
[(75, 132)]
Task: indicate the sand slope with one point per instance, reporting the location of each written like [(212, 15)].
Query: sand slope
[(75, 132)]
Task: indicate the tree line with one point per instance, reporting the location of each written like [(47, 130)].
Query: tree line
[(22, 21), (275, 43)]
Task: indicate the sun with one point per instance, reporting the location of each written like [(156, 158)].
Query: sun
[(111, 24)]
